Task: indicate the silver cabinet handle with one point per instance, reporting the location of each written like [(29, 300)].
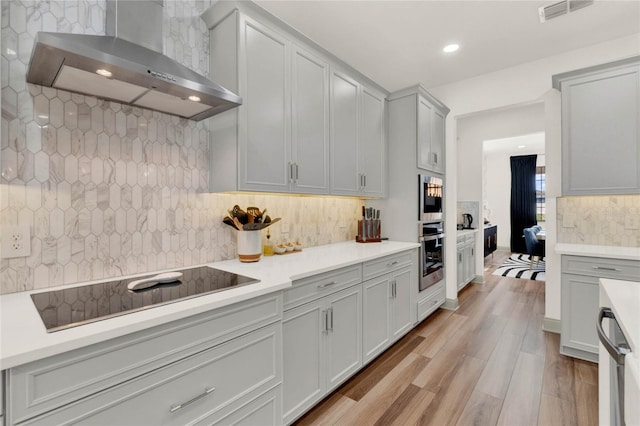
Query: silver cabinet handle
[(435, 157), (326, 320), (390, 264), (473, 251), (296, 172), (177, 407), (364, 180), (290, 172), (330, 312), (603, 268), (327, 284)]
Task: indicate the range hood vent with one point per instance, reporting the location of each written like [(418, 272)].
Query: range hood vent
[(561, 8), (127, 65)]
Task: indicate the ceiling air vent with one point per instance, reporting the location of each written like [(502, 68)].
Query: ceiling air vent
[(561, 8)]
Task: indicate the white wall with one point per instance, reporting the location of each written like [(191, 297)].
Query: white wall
[(497, 188), (522, 84)]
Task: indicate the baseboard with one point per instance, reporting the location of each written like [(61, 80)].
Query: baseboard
[(478, 279), (551, 325), (450, 304)]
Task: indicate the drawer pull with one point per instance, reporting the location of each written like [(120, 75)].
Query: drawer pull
[(602, 268), (395, 262), (206, 392), (328, 284)]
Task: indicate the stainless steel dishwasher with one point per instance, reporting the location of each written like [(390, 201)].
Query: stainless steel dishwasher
[(617, 346)]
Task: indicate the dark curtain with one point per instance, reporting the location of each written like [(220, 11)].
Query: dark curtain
[(523, 199)]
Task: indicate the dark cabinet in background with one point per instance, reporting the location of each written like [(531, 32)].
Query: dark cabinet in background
[(490, 239)]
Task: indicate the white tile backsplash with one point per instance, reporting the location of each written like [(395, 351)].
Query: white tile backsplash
[(109, 189), (599, 220)]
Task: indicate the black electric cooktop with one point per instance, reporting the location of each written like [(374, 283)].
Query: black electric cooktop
[(75, 306)]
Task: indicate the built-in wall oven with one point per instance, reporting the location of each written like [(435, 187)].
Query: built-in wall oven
[(430, 198), (431, 237)]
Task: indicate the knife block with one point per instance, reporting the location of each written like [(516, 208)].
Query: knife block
[(368, 231)]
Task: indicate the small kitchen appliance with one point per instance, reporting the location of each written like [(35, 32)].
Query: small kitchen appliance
[(467, 220), (430, 196)]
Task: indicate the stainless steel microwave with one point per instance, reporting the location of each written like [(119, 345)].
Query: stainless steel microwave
[(430, 193)]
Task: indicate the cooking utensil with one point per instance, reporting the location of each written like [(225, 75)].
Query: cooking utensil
[(237, 223), (167, 277), (228, 221), (258, 226)]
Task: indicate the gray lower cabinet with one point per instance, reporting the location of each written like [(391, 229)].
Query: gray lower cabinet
[(195, 370), (579, 300), (601, 129), (466, 260), (322, 348), (386, 310)]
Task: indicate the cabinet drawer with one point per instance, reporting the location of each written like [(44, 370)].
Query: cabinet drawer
[(186, 391), (50, 383), (432, 301), (374, 268), (602, 268), (311, 288), (264, 410)]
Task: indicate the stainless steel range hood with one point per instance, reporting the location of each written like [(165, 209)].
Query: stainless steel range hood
[(127, 65)]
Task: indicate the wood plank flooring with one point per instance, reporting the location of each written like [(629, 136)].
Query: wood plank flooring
[(488, 363)]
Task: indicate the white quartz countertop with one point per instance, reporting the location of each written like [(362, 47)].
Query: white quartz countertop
[(23, 337), (463, 232), (611, 252), (625, 303)]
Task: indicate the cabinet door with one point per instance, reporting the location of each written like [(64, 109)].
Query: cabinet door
[(460, 271), (437, 141), (303, 373), (472, 261), (344, 335), (600, 132), (580, 295), (372, 143), (401, 318), (310, 123), (424, 134), (345, 177), (264, 139), (376, 317)]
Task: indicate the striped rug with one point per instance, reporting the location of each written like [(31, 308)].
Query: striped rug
[(517, 266)]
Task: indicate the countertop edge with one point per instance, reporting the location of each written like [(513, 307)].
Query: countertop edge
[(622, 295), (611, 252)]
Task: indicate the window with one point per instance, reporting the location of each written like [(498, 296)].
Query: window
[(541, 205)]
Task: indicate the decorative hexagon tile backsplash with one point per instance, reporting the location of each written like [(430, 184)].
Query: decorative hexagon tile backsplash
[(108, 189)]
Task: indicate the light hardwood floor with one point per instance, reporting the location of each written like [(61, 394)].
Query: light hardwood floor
[(488, 363)]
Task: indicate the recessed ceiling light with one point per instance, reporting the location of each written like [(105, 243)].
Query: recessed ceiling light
[(451, 48), (522, 146), (104, 73), (194, 98)]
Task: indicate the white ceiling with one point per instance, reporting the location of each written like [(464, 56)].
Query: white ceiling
[(524, 144), (398, 43)]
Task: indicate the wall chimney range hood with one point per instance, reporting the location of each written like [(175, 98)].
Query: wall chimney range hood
[(127, 65)]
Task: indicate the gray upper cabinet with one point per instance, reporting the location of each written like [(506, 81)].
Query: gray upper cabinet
[(358, 148), (264, 140), (601, 129), (310, 130), (372, 143), (345, 177), (430, 143), (303, 126)]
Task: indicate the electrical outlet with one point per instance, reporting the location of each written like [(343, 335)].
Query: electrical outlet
[(16, 241), (632, 221)]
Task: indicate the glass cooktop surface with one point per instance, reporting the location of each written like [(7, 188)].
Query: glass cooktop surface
[(74, 306)]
